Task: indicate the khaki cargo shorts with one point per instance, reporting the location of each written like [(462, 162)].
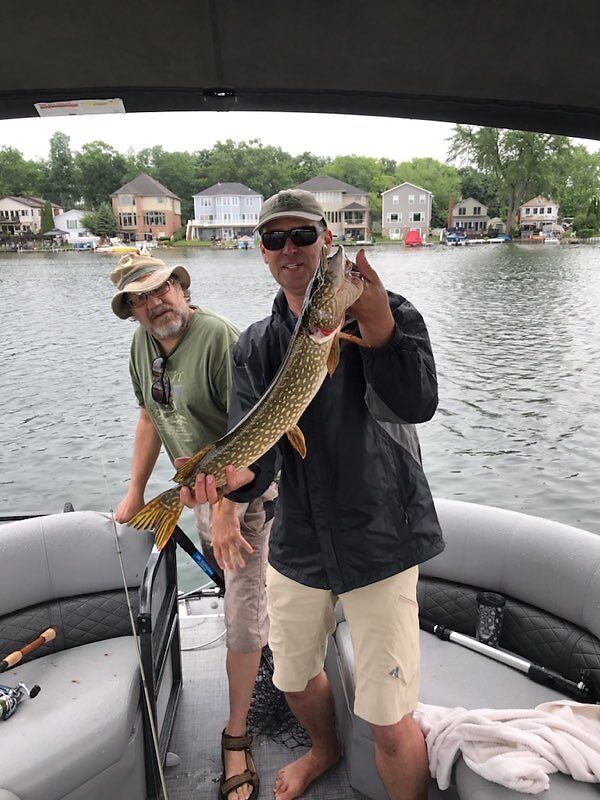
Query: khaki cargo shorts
[(384, 627), (246, 617)]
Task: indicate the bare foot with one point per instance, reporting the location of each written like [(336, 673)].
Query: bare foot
[(293, 779), (235, 764)]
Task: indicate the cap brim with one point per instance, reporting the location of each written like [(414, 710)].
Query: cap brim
[(119, 303), (293, 214)]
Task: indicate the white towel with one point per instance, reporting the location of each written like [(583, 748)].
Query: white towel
[(517, 748)]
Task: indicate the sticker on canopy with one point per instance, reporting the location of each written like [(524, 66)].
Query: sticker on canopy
[(60, 108)]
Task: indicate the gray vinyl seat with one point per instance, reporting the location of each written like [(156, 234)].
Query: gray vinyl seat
[(548, 565), (83, 735)]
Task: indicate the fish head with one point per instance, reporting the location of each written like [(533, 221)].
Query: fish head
[(331, 291)]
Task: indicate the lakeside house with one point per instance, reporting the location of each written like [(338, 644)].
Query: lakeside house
[(346, 207), (223, 212), (23, 215), (71, 223), (470, 216), (404, 208), (146, 210), (536, 215)]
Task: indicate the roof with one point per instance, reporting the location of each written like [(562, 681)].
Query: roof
[(355, 207), (540, 200), (466, 200), (407, 183), (33, 202), (326, 183), (145, 186), (215, 63), (226, 189)]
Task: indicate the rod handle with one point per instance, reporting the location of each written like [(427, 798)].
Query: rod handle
[(578, 691), (13, 658)]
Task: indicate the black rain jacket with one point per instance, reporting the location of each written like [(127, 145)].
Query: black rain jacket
[(358, 509)]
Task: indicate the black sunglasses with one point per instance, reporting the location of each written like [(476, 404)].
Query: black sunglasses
[(161, 389), (301, 237)]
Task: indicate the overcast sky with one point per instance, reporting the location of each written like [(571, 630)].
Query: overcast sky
[(321, 134)]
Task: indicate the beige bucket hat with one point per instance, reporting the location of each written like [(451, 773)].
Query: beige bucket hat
[(140, 273)]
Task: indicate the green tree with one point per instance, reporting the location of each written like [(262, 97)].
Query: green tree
[(576, 180), (101, 222), (101, 170), (522, 163), (440, 179), (480, 186), (60, 178), (47, 217), (19, 176), (306, 166), (265, 169)]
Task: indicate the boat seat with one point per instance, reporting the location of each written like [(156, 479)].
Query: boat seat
[(84, 736), (455, 676)]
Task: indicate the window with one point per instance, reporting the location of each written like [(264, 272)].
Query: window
[(125, 200), (154, 218), (422, 198), (476, 211), (527, 211), (415, 216), (462, 211), (128, 220), (394, 217), (72, 224), (549, 210), (535, 211), (411, 198), (395, 199), (205, 201)]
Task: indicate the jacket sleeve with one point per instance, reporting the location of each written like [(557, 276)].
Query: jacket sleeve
[(402, 373), (247, 389)]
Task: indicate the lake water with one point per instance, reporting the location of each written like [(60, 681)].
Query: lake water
[(515, 331)]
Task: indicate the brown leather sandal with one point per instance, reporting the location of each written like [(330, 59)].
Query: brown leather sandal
[(249, 776)]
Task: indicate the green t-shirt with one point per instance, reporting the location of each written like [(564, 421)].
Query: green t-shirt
[(200, 371)]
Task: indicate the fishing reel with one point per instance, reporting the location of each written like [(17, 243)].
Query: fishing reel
[(11, 696)]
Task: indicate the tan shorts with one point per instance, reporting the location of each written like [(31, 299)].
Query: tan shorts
[(246, 617), (384, 626)]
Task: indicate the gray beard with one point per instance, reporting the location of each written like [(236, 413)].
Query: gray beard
[(171, 329)]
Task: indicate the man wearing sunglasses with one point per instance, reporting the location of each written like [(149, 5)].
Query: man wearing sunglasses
[(181, 370), (355, 517)]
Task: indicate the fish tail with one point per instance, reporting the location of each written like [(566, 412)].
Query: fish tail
[(160, 515)]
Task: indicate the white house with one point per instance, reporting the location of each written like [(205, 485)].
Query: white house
[(346, 207), (537, 214), (22, 215), (224, 211), (70, 223), (404, 208)]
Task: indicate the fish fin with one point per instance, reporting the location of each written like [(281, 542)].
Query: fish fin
[(297, 440), (333, 359), (189, 469), (160, 515), (354, 339)]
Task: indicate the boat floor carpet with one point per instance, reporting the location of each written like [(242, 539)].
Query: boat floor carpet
[(202, 715)]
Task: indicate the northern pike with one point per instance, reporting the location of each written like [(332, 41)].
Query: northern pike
[(312, 353)]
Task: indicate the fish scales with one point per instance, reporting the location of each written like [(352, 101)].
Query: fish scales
[(303, 370)]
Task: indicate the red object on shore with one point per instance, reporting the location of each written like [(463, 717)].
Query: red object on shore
[(413, 239)]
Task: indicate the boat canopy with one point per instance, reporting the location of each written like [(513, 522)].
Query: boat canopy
[(512, 66)]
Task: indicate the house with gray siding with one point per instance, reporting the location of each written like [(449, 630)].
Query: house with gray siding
[(223, 212), (405, 208), (346, 207)]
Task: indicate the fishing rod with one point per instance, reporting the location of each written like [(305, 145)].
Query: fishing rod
[(184, 541), (581, 690), (13, 658)]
